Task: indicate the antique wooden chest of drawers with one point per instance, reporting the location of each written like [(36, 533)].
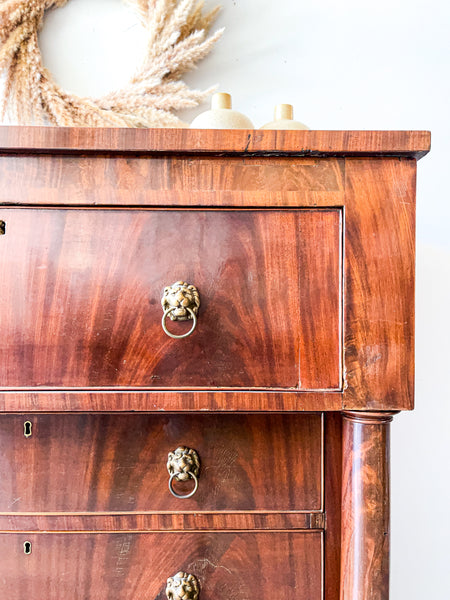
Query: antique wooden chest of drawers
[(205, 335)]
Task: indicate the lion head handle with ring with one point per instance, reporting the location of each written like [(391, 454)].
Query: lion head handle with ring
[(180, 302), (183, 464), (182, 586)]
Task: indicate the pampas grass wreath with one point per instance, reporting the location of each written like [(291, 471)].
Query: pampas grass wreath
[(177, 39)]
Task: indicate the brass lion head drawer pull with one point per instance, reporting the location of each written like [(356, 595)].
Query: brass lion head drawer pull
[(182, 586), (183, 464), (180, 302)]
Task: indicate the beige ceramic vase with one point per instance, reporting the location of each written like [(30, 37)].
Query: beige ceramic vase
[(284, 119), (221, 116)]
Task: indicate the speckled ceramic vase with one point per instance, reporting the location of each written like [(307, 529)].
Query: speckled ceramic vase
[(284, 119), (221, 116)]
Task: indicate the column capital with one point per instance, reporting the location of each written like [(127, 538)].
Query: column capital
[(369, 417)]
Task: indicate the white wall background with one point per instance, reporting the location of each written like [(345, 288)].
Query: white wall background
[(344, 65)]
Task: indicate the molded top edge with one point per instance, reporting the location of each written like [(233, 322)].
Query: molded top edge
[(75, 140)]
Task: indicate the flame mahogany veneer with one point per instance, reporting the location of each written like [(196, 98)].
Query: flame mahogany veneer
[(301, 244)]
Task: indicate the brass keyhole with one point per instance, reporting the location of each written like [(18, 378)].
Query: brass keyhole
[(2, 227), (27, 547), (27, 429)]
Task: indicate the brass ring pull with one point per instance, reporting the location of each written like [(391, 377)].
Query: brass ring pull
[(174, 493), (173, 335), (182, 586), (180, 302), (183, 464)]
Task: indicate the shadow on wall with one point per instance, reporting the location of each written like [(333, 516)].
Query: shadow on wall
[(420, 445)]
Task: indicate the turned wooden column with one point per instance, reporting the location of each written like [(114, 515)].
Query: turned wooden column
[(365, 506)]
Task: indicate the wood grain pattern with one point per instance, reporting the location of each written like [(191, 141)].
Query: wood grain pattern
[(302, 246), (186, 521), (379, 288), (124, 566), (365, 507), (80, 301), (38, 179), (378, 263), (324, 301), (332, 505), (197, 141), (49, 401), (115, 463)]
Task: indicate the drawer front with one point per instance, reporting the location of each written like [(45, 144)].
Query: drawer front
[(115, 463), (242, 566), (80, 301)]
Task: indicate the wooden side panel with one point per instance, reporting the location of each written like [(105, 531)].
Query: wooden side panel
[(123, 566), (80, 302), (115, 463), (379, 283)]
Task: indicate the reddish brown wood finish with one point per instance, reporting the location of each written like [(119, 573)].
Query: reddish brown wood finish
[(151, 401), (197, 141), (80, 303), (332, 505), (379, 288), (117, 463), (320, 301), (313, 235), (123, 566), (154, 522), (117, 180), (365, 506)]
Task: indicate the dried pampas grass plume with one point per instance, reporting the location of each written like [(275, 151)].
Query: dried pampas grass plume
[(177, 40)]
